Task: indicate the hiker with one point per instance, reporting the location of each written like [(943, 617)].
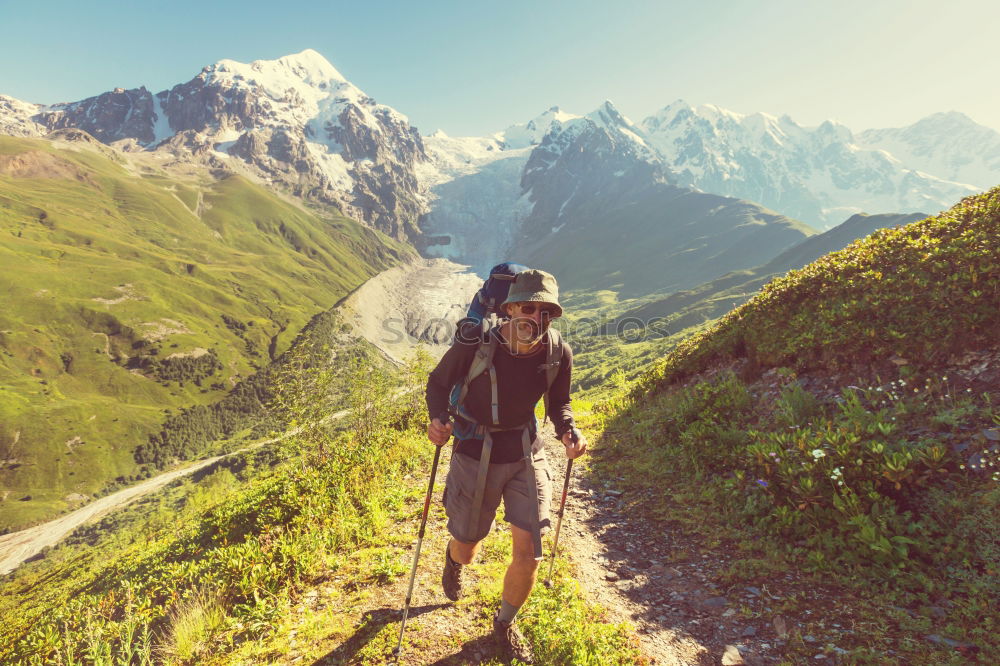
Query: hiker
[(497, 415)]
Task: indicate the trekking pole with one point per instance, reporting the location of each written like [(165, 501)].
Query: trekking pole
[(398, 650), (575, 434)]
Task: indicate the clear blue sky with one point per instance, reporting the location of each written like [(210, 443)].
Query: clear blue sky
[(475, 67)]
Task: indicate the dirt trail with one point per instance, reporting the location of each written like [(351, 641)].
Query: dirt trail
[(590, 526), (18, 547), (591, 538), (443, 633)]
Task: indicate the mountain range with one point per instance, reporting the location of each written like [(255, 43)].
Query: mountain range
[(167, 245), (298, 124)]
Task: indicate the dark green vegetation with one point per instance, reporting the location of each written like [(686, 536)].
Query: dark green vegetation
[(129, 293), (659, 240), (626, 336), (227, 568), (834, 427), (925, 292), (683, 309)]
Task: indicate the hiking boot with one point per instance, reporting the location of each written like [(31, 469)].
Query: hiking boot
[(511, 641), (451, 577)]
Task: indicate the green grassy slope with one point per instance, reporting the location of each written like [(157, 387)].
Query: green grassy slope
[(299, 550), (925, 291), (841, 430), (650, 327), (662, 239), (711, 300), (125, 295)]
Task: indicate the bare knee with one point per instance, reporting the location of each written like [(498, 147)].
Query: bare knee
[(524, 550), (524, 558), (461, 551)]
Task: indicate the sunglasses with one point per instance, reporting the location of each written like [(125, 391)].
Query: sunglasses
[(529, 309)]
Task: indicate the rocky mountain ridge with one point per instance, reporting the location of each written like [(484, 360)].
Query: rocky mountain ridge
[(819, 175), (949, 144), (298, 124), (294, 122)]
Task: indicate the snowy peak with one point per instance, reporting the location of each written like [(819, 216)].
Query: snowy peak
[(532, 132), (834, 132), (294, 122), (818, 175), (16, 117), (947, 120), (307, 73), (948, 144), (668, 114), (609, 116)]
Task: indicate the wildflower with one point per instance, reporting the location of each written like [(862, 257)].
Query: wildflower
[(902, 383), (762, 483), (818, 453)]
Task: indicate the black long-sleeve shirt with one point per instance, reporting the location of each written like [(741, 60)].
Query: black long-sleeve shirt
[(520, 384)]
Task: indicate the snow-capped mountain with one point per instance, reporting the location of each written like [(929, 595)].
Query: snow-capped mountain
[(295, 121), (581, 157), (299, 124), (16, 117), (487, 192), (950, 145), (818, 175), (594, 184), (474, 183)]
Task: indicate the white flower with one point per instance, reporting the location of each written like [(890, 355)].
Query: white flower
[(818, 453)]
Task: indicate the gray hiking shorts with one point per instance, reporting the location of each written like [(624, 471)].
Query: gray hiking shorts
[(507, 481)]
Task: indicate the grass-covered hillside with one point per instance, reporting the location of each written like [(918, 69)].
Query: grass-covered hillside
[(680, 310), (130, 292), (628, 335), (656, 240), (843, 426), (297, 552)]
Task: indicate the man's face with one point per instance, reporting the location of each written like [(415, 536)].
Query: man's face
[(529, 321)]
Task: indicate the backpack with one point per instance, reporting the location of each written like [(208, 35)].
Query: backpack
[(484, 311), (494, 291)]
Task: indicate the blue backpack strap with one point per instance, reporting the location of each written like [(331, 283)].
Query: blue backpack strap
[(466, 426)]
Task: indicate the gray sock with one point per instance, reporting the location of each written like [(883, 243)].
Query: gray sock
[(507, 612)]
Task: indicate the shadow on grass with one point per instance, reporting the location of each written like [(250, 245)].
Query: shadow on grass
[(475, 651), (372, 623)]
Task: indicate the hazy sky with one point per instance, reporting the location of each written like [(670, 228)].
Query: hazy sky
[(475, 67)]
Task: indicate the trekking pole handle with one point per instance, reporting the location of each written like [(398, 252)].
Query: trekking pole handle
[(575, 435)]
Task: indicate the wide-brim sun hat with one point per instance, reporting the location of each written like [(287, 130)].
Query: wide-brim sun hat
[(535, 286)]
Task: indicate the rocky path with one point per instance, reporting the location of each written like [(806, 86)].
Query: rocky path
[(675, 611), (614, 566)]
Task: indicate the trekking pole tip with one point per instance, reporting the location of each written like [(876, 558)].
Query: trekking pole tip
[(547, 583)]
